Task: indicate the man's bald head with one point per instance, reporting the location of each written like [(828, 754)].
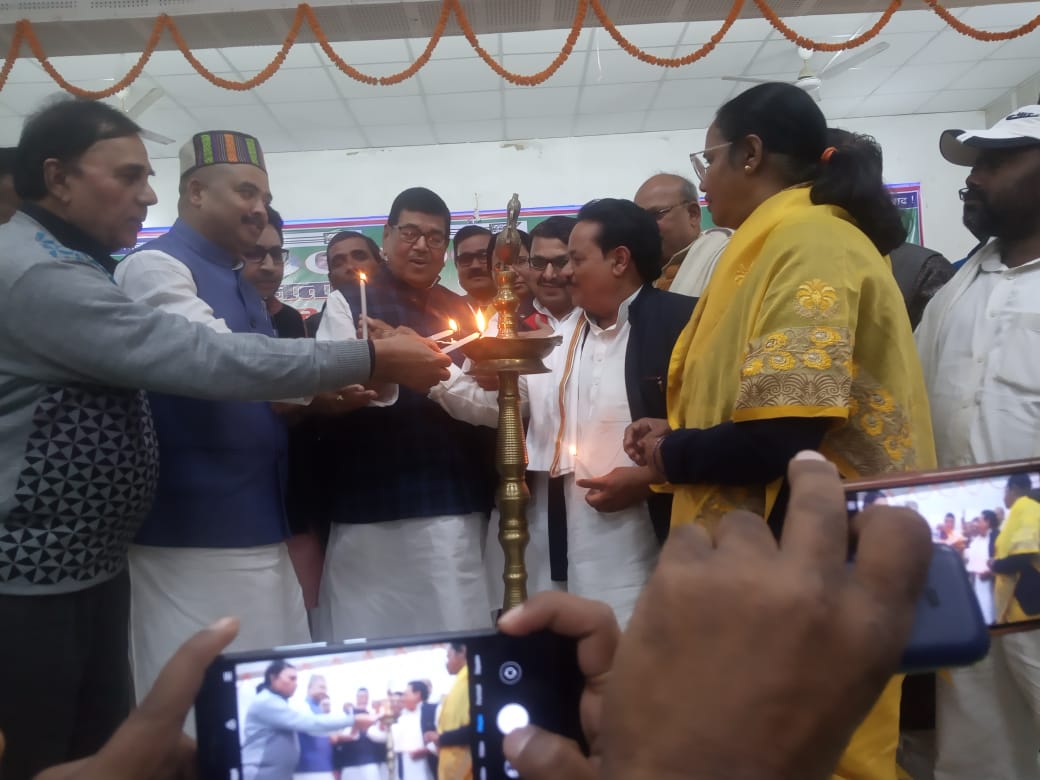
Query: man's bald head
[(673, 202)]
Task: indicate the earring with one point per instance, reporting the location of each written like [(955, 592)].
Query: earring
[(747, 168)]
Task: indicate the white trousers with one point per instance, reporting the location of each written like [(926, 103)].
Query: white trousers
[(610, 556), (988, 715), (177, 591), (403, 577)]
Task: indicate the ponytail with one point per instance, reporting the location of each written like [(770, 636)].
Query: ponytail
[(851, 178), (793, 130)]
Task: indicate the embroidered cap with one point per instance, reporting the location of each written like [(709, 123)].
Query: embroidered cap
[(218, 147), (1018, 129)]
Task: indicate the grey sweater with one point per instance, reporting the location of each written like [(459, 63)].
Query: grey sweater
[(78, 460)]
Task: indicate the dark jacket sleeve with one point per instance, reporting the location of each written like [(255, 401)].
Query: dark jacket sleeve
[(744, 453), (459, 737), (1013, 564)]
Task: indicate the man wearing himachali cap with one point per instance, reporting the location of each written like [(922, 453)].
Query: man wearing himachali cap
[(979, 342), (214, 541)]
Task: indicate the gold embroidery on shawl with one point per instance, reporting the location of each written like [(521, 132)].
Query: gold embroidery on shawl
[(876, 438), (797, 367), (816, 300)]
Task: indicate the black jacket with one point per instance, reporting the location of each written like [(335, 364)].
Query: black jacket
[(656, 318)]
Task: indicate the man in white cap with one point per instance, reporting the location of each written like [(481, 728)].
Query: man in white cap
[(979, 343)]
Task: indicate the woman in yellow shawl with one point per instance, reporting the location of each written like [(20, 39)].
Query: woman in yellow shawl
[(800, 341), (454, 732)]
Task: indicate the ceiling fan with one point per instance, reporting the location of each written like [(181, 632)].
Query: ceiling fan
[(141, 105), (809, 80)]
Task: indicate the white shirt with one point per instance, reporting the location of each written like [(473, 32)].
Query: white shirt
[(462, 398), (979, 342), (166, 283), (977, 555), (337, 324), (699, 262), (408, 736)]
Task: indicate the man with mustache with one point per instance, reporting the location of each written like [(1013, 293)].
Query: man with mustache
[(594, 522), (474, 270), (413, 487), (979, 341), (214, 542), (688, 254), (79, 466)]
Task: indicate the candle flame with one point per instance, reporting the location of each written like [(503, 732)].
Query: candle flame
[(453, 325), (481, 325), (574, 451), (362, 276)]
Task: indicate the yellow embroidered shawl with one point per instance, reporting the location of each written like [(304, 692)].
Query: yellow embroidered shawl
[(802, 318), (1020, 535), (455, 762)]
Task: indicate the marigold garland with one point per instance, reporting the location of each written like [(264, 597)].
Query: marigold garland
[(24, 34)]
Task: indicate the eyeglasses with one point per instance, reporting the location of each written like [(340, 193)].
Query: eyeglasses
[(660, 214), (411, 233), (700, 162), (469, 258), (257, 254), (539, 263)]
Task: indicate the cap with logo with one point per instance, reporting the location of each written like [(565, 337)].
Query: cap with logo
[(1018, 129), (220, 147)]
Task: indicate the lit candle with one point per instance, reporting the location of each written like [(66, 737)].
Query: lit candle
[(461, 342), (443, 334), (481, 325), (364, 306)]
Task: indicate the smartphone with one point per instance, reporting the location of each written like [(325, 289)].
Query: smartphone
[(276, 714), (963, 597)]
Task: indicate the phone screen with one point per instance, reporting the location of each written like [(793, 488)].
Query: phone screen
[(286, 713), (980, 519)]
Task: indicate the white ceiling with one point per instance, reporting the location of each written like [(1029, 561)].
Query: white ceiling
[(310, 105)]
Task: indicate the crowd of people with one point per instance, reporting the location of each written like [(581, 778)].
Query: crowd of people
[(424, 733), (181, 446)]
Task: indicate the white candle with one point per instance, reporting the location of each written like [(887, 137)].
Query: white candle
[(443, 334), (364, 306), (456, 344)]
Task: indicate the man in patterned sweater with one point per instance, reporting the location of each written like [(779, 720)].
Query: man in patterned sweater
[(78, 459)]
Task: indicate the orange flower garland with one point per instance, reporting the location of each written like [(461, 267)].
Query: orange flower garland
[(24, 33)]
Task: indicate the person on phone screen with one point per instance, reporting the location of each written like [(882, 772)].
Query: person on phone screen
[(270, 741), (1016, 592), (454, 732), (978, 342)]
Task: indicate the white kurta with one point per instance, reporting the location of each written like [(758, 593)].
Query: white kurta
[(978, 342), (176, 591), (976, 559), (699, 262), (408, 736), (610, 555)]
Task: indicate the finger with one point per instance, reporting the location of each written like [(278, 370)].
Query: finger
[(161, 715), (541, 755), (816, 529), (592, 623), (597, 500), (893, 554), (686, 543), (744, 532), (593, 483)]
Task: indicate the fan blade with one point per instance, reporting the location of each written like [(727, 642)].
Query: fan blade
[(749, 79), (144, 103), (852, 61), (155, 137)]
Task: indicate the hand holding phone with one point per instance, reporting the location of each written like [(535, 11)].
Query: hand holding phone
[(768, 656)]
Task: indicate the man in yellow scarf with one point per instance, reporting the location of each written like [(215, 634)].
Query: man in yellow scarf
[(453, 727), (800, 341)]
